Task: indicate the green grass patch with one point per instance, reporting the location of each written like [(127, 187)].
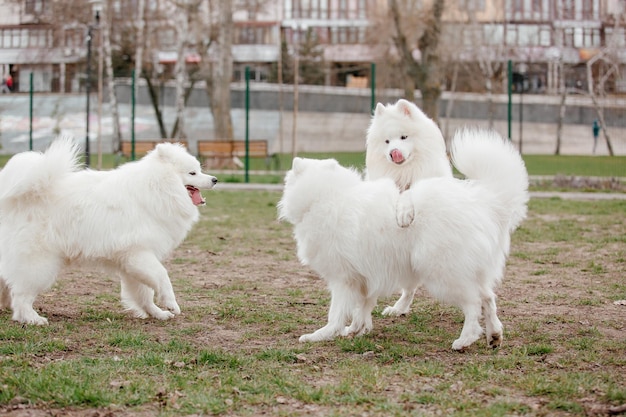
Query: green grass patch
[(246, 300)]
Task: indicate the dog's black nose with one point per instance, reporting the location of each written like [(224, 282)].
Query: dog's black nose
[(214, 180)]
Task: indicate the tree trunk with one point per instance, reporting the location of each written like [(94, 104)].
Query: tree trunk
[(180, 73), (154, 98), (425, 74), (188, 92), (450, 105), (429, 70), (559, 128), (140, 43), (596, 105), (108, 61), (221, 103), (563, 91), (406, 56)]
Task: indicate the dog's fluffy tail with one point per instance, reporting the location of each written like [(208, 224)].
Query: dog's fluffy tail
[(484, 156), (29, 173)]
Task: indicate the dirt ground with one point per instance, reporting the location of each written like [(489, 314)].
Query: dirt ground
[(558, 292)]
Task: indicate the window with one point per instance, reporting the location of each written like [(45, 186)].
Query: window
[(528, 35), (472, 5), (528, 9), (166, 38), (347, 35), (33, 6), (493, 34), (616, 37), (328, 9)]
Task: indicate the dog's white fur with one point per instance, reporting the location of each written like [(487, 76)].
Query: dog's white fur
[(456, 247), (52, 213), (403, 129)]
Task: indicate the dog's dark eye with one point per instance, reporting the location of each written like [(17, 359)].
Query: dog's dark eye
[(387, 141), (403, 137), (192, 173)]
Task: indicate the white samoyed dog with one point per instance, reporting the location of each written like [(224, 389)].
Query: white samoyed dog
[(405, 145), (345, 229), (53, 212)]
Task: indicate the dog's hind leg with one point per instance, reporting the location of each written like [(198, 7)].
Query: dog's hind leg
[(341, 304), (361, 318), (471, 327), (146, 269), (26, 279), (139, 300), (403, 305), (493, 325), (5, 295)]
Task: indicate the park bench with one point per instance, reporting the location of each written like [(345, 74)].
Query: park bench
[(142, 147), (225, 151)]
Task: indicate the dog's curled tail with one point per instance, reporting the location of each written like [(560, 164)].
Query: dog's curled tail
[(28, 173), (485, 156)]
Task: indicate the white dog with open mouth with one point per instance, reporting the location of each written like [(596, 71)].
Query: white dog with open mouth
[(53, 212), (346, 230)]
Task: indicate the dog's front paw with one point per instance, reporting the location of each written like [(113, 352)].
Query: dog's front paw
[(352, 330), (162, 315), (495, 340), (173, 307), (392, 311), (319, 335), (30, 317), (307, 338), (405, 212), (461, 344)]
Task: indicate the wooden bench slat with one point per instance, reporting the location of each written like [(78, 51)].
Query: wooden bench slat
[(142, 147), (224, 149)]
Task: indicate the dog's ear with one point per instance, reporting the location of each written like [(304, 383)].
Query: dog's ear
[(380, 108), (405, 107), (297, 165)]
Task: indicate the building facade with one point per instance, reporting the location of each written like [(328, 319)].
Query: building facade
[(542, 37)]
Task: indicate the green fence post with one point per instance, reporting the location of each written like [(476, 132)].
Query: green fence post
[(247, 160), (132, 116), (510, 92), (30, 123), (373, 87)]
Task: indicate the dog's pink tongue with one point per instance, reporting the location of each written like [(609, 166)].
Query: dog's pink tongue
[(195, 195), (396, 156)]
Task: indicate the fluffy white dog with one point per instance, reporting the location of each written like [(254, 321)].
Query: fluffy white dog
[(405, 145), (346, 230), (52, 213)]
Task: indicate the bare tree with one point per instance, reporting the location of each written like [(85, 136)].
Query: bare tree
[(603, 56), (183, 15), (421, 65), (140, 24), (218, 83), (105, 22)]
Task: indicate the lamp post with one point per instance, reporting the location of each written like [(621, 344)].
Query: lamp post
[(95, 5)]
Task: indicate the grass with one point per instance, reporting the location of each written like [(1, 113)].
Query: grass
[(567, 165), (246, 300)]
